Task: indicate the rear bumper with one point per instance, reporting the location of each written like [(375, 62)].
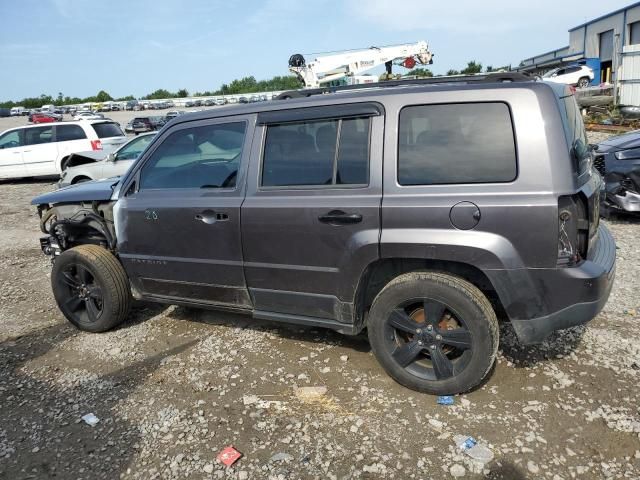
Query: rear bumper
[(567, 297)]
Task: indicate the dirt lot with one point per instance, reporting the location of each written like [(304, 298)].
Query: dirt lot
[(173, 386)]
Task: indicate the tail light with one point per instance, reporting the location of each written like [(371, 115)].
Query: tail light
[(573, 230), (96, 145)]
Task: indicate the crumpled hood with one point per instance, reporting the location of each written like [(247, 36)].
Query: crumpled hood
[(621, 142), (97, 190)]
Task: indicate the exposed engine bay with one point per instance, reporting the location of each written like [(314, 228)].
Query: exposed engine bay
[(68, 225)]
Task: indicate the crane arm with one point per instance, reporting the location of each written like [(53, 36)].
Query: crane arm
[(333, 66)]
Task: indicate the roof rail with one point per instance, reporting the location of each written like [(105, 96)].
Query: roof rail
[(495, 77)]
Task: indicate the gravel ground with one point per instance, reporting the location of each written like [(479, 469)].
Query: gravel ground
[(174, 386)]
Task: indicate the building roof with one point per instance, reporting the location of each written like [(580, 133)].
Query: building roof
[(615, 12)]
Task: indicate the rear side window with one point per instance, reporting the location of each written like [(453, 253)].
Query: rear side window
[(317, 152), (65, 133), (107, 129), (456, 143), (38, 135)]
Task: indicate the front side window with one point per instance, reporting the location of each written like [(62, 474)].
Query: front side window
[(134, 148), (65, 133), (10, 140), (197, 157), (456, 143), (38, 135), (317, 152)]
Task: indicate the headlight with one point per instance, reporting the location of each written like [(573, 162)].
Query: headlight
[(630, 154)]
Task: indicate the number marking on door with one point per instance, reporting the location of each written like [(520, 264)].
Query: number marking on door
[(150, 215)]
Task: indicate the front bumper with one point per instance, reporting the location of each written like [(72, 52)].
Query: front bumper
[(569, 296)]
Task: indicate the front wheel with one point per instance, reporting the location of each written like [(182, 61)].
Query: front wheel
[(91, 288), (433, 332)]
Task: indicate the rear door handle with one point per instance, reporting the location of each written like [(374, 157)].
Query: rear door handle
[(338, 217), (209, 217)]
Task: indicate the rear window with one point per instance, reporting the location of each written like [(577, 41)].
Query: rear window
[(107, 129), (456, 143)]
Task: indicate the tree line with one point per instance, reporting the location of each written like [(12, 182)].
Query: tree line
[(472, 68), (243, 85)]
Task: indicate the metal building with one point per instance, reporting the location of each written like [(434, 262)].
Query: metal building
[(609, 44)]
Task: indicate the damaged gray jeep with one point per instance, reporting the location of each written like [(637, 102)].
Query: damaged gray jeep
[(618, 161), (417, 210)]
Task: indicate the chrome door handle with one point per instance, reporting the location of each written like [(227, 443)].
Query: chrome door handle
[(209, 217)]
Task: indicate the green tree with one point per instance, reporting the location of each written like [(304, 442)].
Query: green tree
[(472, 68), (453, 72), (182, 93), (420, 72), (103, 96), (158, 94)]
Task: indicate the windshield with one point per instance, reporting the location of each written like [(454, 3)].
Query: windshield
[(134, 148), (550, 73)]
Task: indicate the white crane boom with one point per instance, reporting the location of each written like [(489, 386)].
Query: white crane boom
[(335, 66)]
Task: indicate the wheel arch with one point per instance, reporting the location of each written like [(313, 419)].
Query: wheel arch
[(380, 272)]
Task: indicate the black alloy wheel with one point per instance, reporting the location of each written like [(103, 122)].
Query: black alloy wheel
[(428, 340), (84, 301)]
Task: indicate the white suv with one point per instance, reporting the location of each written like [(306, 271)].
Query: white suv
[(33, 151), (577, 75)]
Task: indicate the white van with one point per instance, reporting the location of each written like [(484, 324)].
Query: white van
[(33, 151), (17, 111)]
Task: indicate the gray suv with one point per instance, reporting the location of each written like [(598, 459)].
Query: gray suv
[(418, 210)]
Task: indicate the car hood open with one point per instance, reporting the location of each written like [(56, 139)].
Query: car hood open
[(97, 190)]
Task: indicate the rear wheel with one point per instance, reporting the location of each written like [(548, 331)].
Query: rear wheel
[(91, 288), (583, 82), (433, 332)]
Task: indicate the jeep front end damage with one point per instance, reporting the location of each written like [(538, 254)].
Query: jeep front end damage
[(68, 225)]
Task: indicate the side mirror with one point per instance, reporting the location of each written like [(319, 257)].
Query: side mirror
[(111, 157)]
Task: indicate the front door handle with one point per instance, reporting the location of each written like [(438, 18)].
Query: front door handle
[(209, 217), (338, 217)]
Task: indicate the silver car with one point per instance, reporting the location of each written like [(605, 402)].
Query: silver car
[(94, 165)]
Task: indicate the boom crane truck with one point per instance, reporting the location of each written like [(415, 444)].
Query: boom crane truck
[(344, 67)]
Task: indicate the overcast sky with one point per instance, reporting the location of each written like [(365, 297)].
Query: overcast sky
[(79, 47)]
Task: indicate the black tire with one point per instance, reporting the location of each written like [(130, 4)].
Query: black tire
[(91, 288), (583, 82), (404, 338)]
